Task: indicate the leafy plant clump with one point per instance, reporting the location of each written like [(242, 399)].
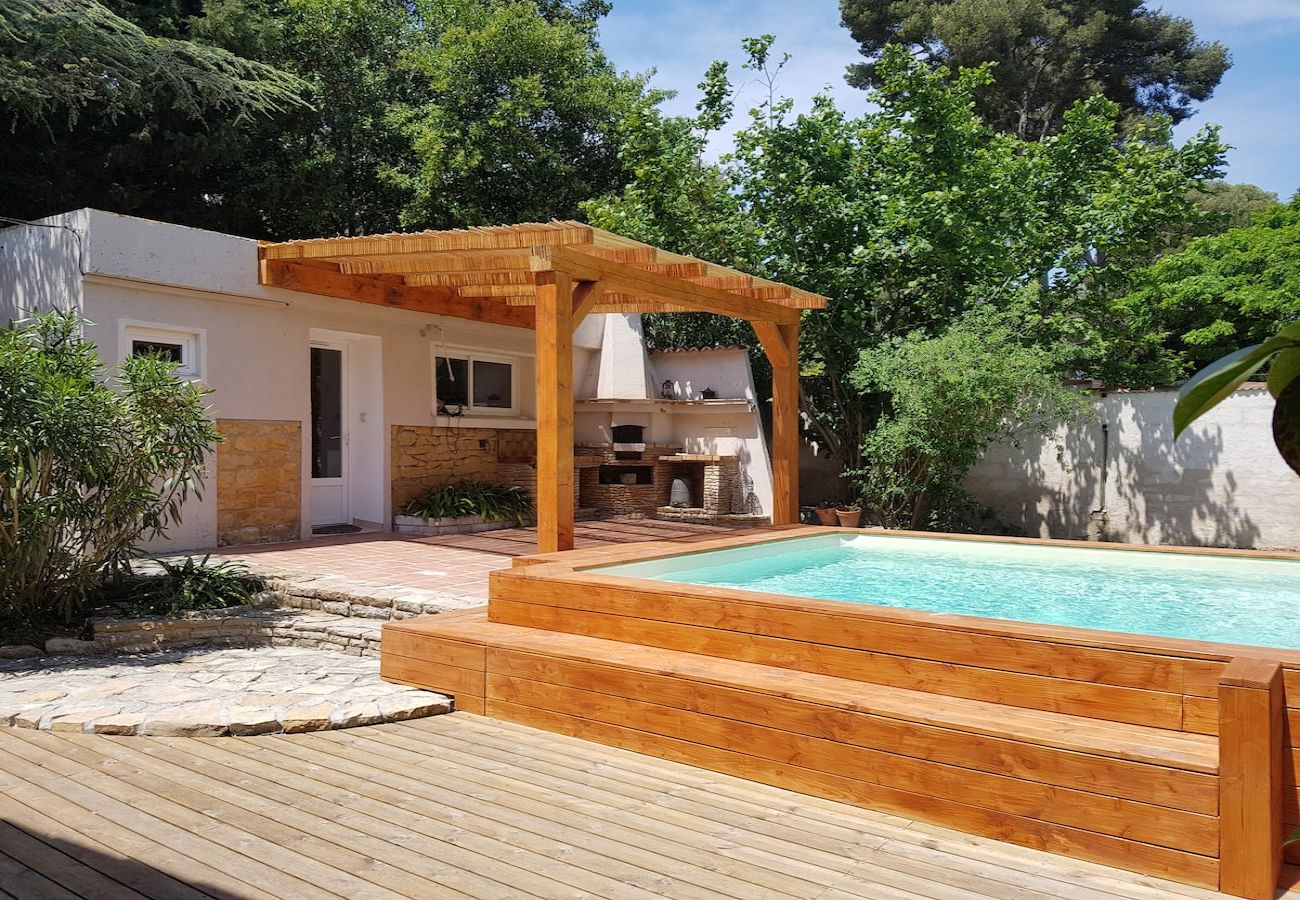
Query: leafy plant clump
[(485, 499), (186, 586), (90, 467), (948, 399)]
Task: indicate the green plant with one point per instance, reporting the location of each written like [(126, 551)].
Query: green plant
[(88, 468), (1215, 382), (485, 499), (950, 397), (186, 585)]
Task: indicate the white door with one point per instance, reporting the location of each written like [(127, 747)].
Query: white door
[(329, 434)]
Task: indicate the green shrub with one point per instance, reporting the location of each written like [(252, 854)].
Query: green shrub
[(185, 586), (486, 499), (89, 466), (949, 398)]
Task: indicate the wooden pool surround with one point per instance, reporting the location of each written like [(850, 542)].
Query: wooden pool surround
[(1164, 756)]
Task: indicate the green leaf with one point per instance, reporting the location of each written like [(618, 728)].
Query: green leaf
[(1216, 381), (1284, 370)]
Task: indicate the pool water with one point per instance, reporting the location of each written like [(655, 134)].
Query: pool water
[(1237, 600)]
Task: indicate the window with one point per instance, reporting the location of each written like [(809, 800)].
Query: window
[(181, 346), (470, 384)]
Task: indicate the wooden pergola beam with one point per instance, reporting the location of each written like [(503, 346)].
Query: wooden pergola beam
[(621, 278), (440, 301)]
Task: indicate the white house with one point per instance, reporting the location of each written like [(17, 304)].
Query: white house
[(338, 413)]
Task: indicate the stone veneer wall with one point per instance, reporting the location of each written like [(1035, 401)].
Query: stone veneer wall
[(425, 456), (720, 481), (623, 499), (259, 481)]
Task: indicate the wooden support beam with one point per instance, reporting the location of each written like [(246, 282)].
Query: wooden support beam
[(441, 301), (555, 507), (621, 278), (1251, 721), (769, 335), (782, 350), (585, 297)]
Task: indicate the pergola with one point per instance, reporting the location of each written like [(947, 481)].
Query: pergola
[(548, 277)]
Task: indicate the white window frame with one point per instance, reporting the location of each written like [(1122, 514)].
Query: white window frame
[(192, 341), (471, 357)]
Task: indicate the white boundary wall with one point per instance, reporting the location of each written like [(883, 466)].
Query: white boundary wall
[(1221, 484)]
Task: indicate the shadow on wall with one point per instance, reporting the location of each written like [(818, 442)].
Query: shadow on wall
[(1126, 463), (40, 268)]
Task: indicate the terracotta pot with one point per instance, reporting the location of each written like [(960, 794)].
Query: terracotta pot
[(827, 516), (849, 518)]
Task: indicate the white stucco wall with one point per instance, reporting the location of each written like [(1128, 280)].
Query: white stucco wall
[(39, 265), (1220, 484)]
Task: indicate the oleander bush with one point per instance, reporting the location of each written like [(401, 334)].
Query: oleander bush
[(486, 499), (92, 464)]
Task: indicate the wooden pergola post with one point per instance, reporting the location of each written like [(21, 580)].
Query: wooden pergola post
[(781, 344), (554, 333)]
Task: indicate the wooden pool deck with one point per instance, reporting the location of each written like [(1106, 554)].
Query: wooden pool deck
[(462, 806)]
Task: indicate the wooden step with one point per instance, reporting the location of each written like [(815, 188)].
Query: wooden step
[(1129, 795), (1007, 663)]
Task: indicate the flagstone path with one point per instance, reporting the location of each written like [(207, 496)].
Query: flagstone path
[(206, 692)]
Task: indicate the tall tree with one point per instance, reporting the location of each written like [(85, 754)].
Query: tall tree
[(420, 113), (521, 113), (1220, 293), (1048, 54)]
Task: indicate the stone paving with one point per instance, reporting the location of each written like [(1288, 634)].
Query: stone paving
[(206, 692)]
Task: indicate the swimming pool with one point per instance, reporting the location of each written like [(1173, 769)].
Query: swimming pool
[(1242, 600)]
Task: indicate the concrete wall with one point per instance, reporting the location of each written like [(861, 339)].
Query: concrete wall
[(40, 266), (1221, 484), (734, 430)]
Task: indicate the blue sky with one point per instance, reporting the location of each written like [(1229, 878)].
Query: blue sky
[(1258, 102)]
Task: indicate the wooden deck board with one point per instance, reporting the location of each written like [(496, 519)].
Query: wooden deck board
[(460, 806)]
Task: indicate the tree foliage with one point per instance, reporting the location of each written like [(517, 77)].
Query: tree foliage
[(86, 471), (518, 117), (947, 399), (410, 114), (1048, 54), (1219, 293), (1228, 205), (61, 57), (917, 216)]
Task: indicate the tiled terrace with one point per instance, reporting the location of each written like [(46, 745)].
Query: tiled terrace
[(457, 565)]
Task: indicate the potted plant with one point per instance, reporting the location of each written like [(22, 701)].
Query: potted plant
[(850, 515), (826, 513)]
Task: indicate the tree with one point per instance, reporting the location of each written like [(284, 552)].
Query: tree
[(101, 112), (415, 114), (918, 216), (324, 169), (520, 118), (86, 472), (948, 399), (1231, 205), (1048, 54), (1220, 292), (61, 57)]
